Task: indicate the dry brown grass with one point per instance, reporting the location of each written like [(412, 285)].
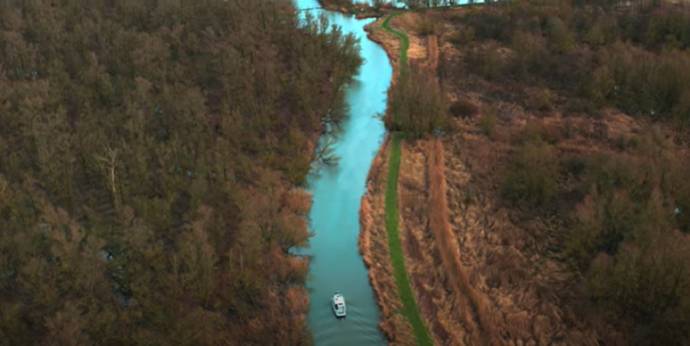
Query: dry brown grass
[(424, 261), (518, 283)]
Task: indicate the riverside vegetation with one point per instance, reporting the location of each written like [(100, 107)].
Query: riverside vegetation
[(151, 155), (395, 113), (584, 109)]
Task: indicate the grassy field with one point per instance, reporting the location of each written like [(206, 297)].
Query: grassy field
[(410, 309)]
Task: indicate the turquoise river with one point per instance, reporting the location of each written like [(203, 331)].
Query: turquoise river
[(336, 264)]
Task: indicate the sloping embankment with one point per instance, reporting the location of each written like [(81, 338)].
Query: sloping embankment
[(373, 243)]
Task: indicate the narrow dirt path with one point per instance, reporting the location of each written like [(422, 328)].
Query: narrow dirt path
[(447, 244), (432, 53), (439, 223)]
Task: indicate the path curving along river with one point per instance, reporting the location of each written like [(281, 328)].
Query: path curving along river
[(336, 264)]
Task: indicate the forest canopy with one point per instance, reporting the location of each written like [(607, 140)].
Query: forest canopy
[(151, 153), (629, 55)]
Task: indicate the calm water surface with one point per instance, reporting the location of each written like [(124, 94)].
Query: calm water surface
[(334, 218)]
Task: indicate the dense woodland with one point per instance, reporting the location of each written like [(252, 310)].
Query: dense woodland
[(150, 159), (635, 57), (620, 210)]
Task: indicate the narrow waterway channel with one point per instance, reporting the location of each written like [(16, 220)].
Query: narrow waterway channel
[(336, 264)]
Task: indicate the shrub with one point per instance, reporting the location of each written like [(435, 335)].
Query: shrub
[(487, 61), (540, 100), (488, 124), (532, 176), (426, 25), (624, 240), (535, 130), (418, 105), (681, 110), (463, 35), (464, 108), (560, 37), (529, 56), (603, 221), (650, 283)]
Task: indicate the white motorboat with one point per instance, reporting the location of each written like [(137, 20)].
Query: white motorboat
[(338, 304)]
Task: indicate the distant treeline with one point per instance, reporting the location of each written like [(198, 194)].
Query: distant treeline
[(634, 57), (411, 4), (149, 154)]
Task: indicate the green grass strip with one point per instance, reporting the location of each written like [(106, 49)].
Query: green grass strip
[(404, 40), (410, 309)]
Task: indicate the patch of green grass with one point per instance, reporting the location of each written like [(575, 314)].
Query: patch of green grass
[(410, 309), (404, 40)]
